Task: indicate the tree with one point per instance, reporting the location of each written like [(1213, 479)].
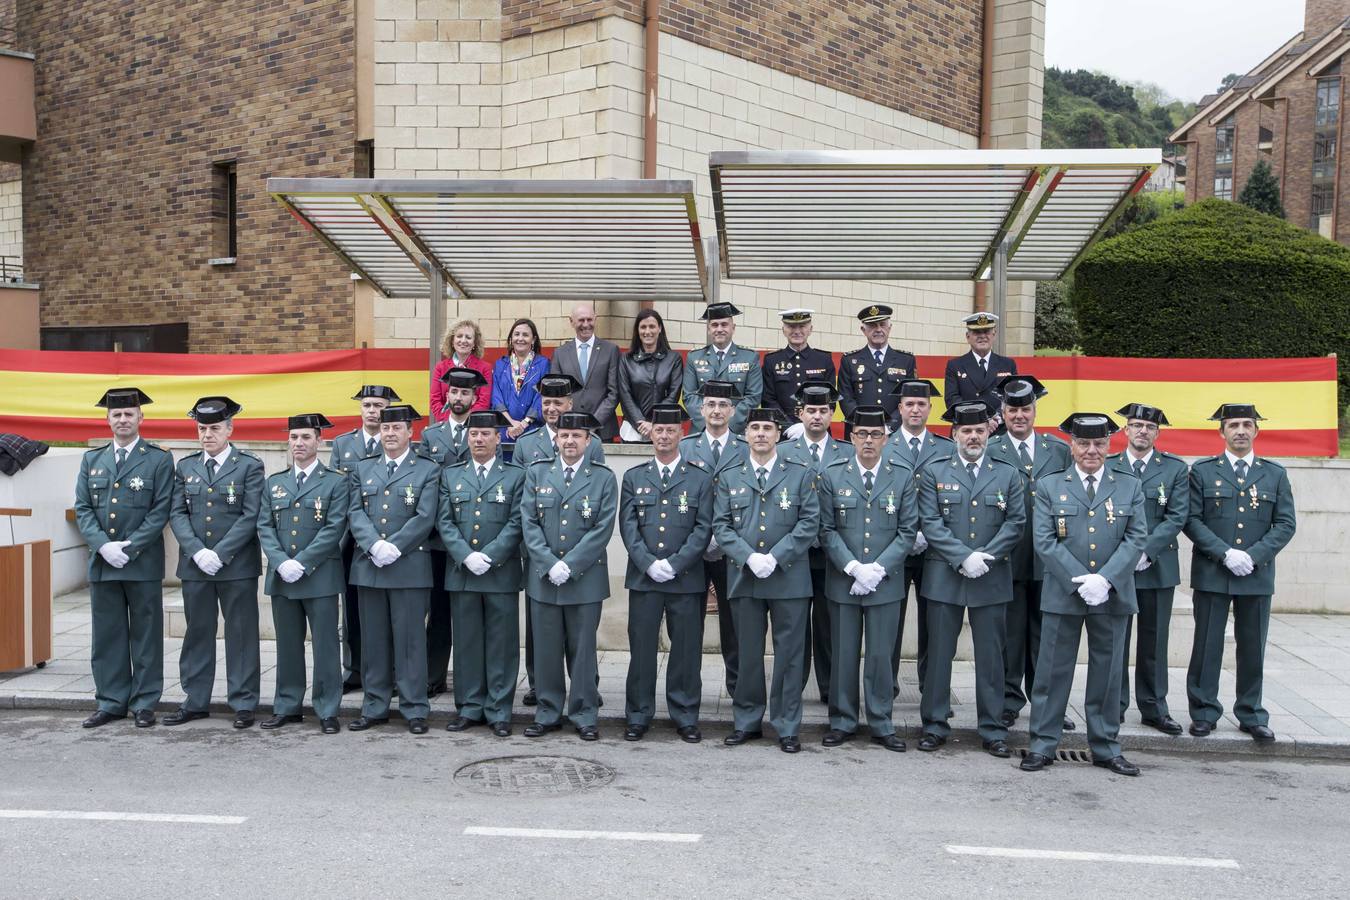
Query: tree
[(1086, 129), (1262, 191), (1056, 323), (1228, 81)]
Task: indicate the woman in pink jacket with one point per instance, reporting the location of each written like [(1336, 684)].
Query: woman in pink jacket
[(461, 346)]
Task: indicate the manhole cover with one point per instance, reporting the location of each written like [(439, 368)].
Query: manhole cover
[(533, 775)]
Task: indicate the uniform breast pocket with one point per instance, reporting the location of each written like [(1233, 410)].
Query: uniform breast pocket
[(1063, 519), (192, 493), (845, 509), (461, 505), (280, 508), (949, 501), (740, 509), (369, 498), (140, 498), (645, 512), (996, 507), (542, 504), (98, 489), (1263, 505), (1219, 502)]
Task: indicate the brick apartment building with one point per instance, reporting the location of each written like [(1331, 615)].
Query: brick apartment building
[(1286, 111), (144, 215)]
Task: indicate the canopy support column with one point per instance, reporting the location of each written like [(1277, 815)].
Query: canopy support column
[(998, 274), (436, 283)]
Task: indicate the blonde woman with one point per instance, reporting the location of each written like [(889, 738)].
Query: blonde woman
[(462, 346)]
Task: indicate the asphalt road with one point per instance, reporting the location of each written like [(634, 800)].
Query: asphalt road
[(382, 814)]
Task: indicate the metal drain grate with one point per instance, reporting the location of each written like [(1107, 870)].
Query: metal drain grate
[(534, 776), (1073, 756)]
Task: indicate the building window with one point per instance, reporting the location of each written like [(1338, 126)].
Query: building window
[(1326, 126), (1223, 158), (365, 159), (170, 338), (224, 213)]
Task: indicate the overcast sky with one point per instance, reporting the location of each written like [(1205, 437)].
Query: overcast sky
[(1187, 46)]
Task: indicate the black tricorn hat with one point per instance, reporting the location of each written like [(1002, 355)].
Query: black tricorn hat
[(209, 410), (668, 414), (317, 421), (817, 393), (583, 421), (558, 385), (915, 387), (121, 398), (1140, 411), (971, 412), (1089, 425), (487, 418), (719, 311), (401, 413), (1237, 411), (764, 414), (722, 390), (381, 391), (1021, 390), (868, 417), (463, 377)]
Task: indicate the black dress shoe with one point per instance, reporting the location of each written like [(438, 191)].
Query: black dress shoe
[(539, 729), (996, 748), (435, 690), (1069, 724), (1166, 724), (350, 685), (243, 718), (501, 729), (736, 738), (530, 698), (361, 723), (1034, 762), (277, 721), (1201, 729), (892, 742), (930, 742), (1007, 717), (834, 737), (634, 732), (417, 725), (145, 718), (101, 717), (690, 734), (790, 744), (330, 725), (462, 723), (1260, 733), (181, 715), (588, 733), (1118, 764)]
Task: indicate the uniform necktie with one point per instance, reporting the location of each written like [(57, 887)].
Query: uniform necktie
[(370, 447), (584, 359), (972, 468), (878, 355), (665, 476), (914, 447), (1023, 454), (815, 453), (211, 469), (984, 365), (867, 482), (458, 433), (721, 357), (762, 475), (1090, 486), (1138, 468), (121, 457), (717, 452), (300, 480), (482, 473), (1241, 468), (567, 476), (392, 466)]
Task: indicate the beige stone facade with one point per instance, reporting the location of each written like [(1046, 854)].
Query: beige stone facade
[(11, 214)]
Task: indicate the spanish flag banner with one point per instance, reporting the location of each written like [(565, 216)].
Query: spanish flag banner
[(51, 395)]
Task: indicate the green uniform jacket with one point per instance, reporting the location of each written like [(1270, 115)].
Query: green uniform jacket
[(1052, 455), (672, 523), (439, 444), (833, 451), (782, 521), (483, 518), (734, 452), (306, 525), (958, 517), (572, 524), (536, 445), (221, 515), (740, 366), (1257, 517), (399, 509), (131, 505), (1167, 502), (878, 529), (1074, 537)]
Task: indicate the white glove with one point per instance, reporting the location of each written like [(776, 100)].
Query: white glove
[(1094, 588), (661, 571), (477, 562), (1144, 562), (869, 575), (113, 554), (1239, 562), (920, 543), (858, 590), (382, 553), (207, 560), (976, 564), (291, 571), (795, 430), (762, 564), (559, 573)]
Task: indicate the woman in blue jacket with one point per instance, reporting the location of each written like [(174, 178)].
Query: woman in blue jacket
[(515, 380)]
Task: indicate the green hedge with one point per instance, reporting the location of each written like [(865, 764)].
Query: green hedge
[(1216, 280)]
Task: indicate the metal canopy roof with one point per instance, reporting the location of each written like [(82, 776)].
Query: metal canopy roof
[(509, 240), (917, 215)]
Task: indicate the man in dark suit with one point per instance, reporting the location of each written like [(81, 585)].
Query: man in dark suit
[(868, 376), (976, 375), (595, 364), (786, 370)]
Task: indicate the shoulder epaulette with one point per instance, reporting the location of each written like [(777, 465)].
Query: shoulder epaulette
[(98, 449)]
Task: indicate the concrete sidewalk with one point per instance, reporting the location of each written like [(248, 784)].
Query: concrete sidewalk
[(1307, 690)]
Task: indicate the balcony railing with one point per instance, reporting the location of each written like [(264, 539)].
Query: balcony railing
[(11, 269)]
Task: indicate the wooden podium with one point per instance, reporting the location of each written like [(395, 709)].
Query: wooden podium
[(25, 602)]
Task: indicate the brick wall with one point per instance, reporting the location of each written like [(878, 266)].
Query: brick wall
[(918, 56), (135, 102)]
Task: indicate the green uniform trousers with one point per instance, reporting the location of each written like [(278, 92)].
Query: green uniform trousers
[(237, 601), (394, 648), (753, 615), (877, 626), (819, 643), (1054, 678), (289, 617), (564, 641), (128, 644), (440, 624), (987, 632), (1150, 655), (914, 578), (1022, 644), (487, 654), (684, 679), (1251, 623)]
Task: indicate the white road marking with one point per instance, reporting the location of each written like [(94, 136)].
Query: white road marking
[(1080, 856), (173, 818), (668, 837)]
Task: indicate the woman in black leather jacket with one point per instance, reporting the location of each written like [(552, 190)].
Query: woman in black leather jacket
[(649, 373)]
